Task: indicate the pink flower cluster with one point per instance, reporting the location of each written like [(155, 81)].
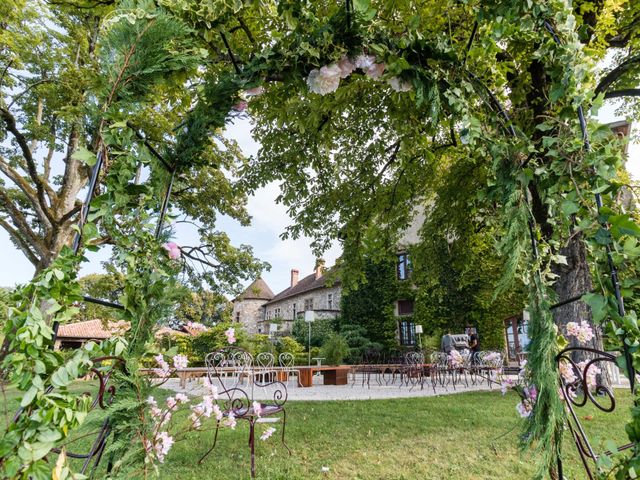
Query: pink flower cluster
[(173, 250), (326, 79), (163, 371), (582, 331), (455, 359), (525, 407), (230, 333), (160, 442), (591, 373), (567, 372), (197, 327), (159, 446)]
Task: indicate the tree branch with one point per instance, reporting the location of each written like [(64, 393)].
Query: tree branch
[(21, 222), (22, 244), (24, 186), (10, 122), (614, 75), (627, 92)]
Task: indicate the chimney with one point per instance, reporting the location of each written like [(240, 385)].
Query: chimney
[(294, 277), (319, 268)]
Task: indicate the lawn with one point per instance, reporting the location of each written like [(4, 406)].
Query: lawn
[(463, 436)]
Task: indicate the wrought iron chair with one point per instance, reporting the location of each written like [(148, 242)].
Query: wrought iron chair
[(287, 364), (369, 365), (580, 385), (439, 369), (227, 367), (414, 369)]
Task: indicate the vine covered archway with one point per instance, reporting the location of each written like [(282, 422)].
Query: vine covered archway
[(431, 81)]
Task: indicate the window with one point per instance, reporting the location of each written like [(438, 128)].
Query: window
[(403, 270), (405, 307), (308, 304), (295, 307), (237, 317), (330, 301), (407, 332), (276, 313)]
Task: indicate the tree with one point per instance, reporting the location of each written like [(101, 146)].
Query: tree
[(204, 307), (53, 95)]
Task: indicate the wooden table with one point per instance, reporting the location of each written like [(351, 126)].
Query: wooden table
[(333, 375)]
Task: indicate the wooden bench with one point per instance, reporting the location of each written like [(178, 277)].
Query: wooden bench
[(333, 375)]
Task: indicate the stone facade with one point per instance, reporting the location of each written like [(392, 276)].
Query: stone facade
[(248, 307), (257, 308), (323, 301), (248, 313)]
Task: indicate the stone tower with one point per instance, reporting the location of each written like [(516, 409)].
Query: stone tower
[(248, 307)]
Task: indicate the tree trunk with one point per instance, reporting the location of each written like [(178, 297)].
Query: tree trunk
[(575, 280)]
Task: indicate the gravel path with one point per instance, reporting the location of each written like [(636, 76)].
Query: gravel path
[(351, 391)]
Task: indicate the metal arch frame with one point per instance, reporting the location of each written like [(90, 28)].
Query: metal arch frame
[(578, 434)]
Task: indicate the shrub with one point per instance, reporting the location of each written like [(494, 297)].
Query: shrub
[(261, 343), (356, 338), (214, 339), (320, 331), (335, 349)]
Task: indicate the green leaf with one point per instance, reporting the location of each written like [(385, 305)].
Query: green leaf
[(598, 304), (29, 396), (85, 156)]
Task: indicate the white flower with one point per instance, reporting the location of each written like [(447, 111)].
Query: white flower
[(180, 361), (326, 80), (257, 408), (182, 398), (171, 403), (230, 421), (376, 70), (346, 67), (163, 444), (152, 401), (267, 433), (399, 85), (218, 413), (364, 61), (195, 420)]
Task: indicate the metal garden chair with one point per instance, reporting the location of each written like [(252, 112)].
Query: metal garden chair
[(287, 367), (227, 368)]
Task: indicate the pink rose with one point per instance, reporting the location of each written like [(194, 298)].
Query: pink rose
[(376, 70), (173, 250), (346, 67)]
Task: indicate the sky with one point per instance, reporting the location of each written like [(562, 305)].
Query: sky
[(269, 221)]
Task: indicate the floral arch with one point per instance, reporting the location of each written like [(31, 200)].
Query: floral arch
[(431, 76)]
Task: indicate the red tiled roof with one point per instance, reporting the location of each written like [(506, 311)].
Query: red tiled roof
[(90, 329), (307, 284)]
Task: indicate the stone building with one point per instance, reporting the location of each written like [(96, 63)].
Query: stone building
[(248, 307), (315, 292), (257, 308)]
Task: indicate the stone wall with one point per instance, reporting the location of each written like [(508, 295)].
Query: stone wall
[(284, 308), (248, 313)]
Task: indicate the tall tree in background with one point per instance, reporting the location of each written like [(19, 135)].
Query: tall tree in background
[(50, 99)]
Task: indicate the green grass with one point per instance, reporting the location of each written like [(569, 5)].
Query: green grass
[(463, 436)]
